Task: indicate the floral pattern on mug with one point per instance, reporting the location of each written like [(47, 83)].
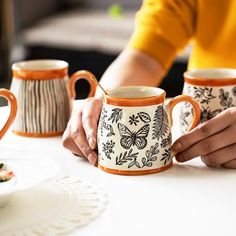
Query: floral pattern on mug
[(203, 95), (213, 100), (134, 130), (141, 116), (166, 156), (160, 125), (104, 124), (150, 155), (128, 157), (129, 147), (225, 99), (107, 148)]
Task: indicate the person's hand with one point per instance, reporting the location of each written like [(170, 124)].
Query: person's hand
[(213, 140), (80, 136)]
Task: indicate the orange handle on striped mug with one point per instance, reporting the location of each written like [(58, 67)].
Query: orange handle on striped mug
[(13, 104), (82, 74)]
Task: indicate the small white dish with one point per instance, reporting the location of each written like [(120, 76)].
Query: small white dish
[(29, 168), (7, 188)]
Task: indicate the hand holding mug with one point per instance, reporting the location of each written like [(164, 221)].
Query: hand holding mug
[(80, 136), (214, 140), (134, 130)]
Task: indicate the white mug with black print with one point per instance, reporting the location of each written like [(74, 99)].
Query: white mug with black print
[(214, 89), (134, 130)]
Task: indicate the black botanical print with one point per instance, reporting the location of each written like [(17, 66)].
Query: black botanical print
[(104, 125), (234, 91), (225, 100), (102, 120), (129, 138), (187, 110), (183, 121), (128, 156), (151, 156), (166, 141), (183, 118), (207, 114), (110, 129), (116, 115), (160, 126), (133, 120), (107, 148), (204, 95), (166, 156), (144, 117)]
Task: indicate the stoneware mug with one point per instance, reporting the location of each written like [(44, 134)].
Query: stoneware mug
[(45, 94), (134, 130), (214, 89), (13, 110)]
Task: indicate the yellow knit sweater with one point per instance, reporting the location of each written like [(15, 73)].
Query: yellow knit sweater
[(163, 27)]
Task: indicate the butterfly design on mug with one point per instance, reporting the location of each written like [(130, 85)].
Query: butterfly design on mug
[(129, 138)]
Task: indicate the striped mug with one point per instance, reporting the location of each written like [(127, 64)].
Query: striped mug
[(45, 94)]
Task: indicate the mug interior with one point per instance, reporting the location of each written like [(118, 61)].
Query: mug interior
[(40, 65), (214, 73), (135, 92)]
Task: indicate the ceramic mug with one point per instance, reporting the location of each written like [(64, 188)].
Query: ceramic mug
[(45, 93), (13, 110), (214, 89), (134, 130)]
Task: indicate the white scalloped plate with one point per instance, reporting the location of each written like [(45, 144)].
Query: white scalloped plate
[(55, 207)]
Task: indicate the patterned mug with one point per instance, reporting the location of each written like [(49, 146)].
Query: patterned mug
[(45, 93), (134, 130), (13, 110), (214, 89)]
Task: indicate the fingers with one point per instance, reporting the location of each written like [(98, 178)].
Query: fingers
[(214, 141), (204, 130), (209, 145), (221, 156), (81, 132), (79, 138), (75, 140), (90, 117), (230, 164), (68, 142)]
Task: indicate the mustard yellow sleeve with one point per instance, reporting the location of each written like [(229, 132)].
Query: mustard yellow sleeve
[(163, 27)]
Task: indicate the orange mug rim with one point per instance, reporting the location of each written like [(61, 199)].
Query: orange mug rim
[(135, 101), (210, 80), (17, 65), (57, 70)]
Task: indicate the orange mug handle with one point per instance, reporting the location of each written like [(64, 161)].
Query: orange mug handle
[(13, 103), (193, 102), (82, 74)]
